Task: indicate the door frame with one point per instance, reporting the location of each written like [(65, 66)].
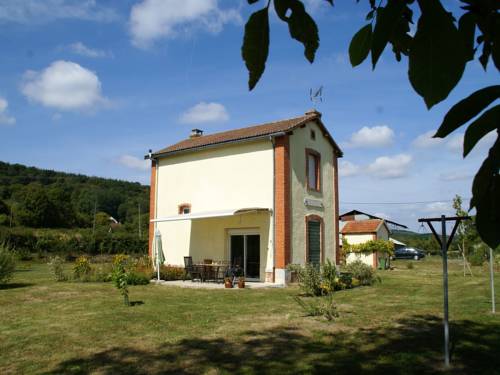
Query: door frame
[(244, 232)]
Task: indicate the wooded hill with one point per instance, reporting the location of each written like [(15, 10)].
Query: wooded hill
[(41, 198)]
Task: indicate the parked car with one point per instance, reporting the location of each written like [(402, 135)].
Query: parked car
[(408, 253)]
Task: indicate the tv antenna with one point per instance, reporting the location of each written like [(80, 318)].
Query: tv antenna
[(316, 95)]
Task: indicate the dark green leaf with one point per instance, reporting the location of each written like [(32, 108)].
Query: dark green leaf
[(369, 16), (387, 20), (467, 27), (437, 56), (252, 1), (256, 45), (495, 50), (486, 197), (360, 45), (304, 29), (467, 109), (487, 122)]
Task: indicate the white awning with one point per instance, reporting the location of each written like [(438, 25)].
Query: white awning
[(209, 214)]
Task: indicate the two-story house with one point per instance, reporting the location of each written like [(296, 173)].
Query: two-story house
[(262, 196)]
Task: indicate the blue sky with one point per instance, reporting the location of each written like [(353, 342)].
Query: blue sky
[(90, 86)]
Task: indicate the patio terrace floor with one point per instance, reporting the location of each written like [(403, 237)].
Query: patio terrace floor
[(211, 285)]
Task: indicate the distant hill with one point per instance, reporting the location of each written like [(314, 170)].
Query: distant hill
[(425, 241), (41, 198)]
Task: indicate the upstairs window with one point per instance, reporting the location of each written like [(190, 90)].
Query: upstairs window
[(313, 135), (184, 209), (313, 170)]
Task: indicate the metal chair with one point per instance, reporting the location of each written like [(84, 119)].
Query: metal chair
[(191, 270)]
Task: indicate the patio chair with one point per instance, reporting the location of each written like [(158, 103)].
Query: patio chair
[(222, 271), (191, 270)]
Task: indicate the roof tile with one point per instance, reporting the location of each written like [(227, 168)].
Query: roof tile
[(361, 226)]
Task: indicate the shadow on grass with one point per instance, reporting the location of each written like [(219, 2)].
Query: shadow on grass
[(15, 285), (136, 303), (411, 346)]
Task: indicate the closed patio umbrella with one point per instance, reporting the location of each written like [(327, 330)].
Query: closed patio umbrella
[(159, 258)]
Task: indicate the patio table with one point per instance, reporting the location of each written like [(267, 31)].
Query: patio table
[(209, 270)]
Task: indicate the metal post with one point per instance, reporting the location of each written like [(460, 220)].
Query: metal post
[(492, 283), (445, 289)]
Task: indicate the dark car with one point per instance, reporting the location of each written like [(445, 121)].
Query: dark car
[(408, 253)]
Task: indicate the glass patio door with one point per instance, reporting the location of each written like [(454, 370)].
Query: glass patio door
[(245, 252)]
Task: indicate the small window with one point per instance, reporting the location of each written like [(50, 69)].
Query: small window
[(313, 170), (184, 209), (313, 135)]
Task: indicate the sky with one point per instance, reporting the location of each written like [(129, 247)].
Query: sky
[(90, 86)]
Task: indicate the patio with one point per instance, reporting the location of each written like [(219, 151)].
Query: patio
[(198, 285)]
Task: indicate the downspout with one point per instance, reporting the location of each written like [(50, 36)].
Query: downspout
[(274, 203), (272, 139)]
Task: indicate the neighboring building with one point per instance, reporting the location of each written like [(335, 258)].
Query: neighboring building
[(358, 215), (263, 196), (360, 231)]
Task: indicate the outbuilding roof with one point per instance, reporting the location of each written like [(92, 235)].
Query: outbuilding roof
[(247, 133), (362, 226)]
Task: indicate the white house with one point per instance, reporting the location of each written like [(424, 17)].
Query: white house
[(359, 231), (264, 196)]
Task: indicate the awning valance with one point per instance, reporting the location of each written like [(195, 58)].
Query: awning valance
[(209, 214)]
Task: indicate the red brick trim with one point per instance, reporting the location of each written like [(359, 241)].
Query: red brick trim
[(309, 218), (317, 155), (182, 206), (336, 208), (152, 206), (282, 237)]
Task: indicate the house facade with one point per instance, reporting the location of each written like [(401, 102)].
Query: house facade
[(359, 231), (262, 197)]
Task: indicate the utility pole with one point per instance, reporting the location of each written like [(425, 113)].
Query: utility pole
[(492, 283), (445, 244)]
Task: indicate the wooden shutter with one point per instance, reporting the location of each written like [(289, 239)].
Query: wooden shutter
[(314, 242)]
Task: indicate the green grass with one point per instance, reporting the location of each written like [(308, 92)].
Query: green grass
[(392, 327)]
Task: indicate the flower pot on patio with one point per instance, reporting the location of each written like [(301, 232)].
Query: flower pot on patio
[(228, 283), (241, 282)]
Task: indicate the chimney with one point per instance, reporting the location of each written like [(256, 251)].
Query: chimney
[(313, 112), (196, 133)]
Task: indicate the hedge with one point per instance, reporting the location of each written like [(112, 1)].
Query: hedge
[(72, 242)]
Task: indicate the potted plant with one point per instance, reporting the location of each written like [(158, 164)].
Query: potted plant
[(241, 282), (228, 282)]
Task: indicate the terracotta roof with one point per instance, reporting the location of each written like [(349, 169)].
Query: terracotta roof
[(246, 134), (362, 226)]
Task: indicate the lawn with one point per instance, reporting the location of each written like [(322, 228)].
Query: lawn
[(393, 327)]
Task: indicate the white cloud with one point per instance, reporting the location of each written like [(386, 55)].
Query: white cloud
[(455, 143), (425, 140), (438, 207), (134, 162), (81, 49), (456, 176), (390, 166), (346, 168), (37, 12), (64, 85), (5, 118), (151, 20), (205, 112), (376, 136)]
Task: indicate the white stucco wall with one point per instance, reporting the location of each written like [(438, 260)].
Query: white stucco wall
[(299, 141), (229, 177)]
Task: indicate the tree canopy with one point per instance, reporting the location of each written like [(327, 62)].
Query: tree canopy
[(437, 54)]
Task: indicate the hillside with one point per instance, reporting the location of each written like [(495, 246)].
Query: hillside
[(41, 198)]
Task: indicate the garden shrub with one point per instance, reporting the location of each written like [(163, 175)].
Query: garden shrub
[(310, 280), (168, 273), (478, 256), (362, 272), (135, 278), (7, 263), (82, 269), (56, 265), (320, 306), (119, 277), (345, 281)]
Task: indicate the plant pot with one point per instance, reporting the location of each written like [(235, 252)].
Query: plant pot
[(228, 283), (241, 283)]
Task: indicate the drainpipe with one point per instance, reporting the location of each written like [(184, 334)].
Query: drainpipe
[(271, 138)]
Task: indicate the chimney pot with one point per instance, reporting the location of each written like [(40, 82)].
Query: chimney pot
[(196, 133)]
